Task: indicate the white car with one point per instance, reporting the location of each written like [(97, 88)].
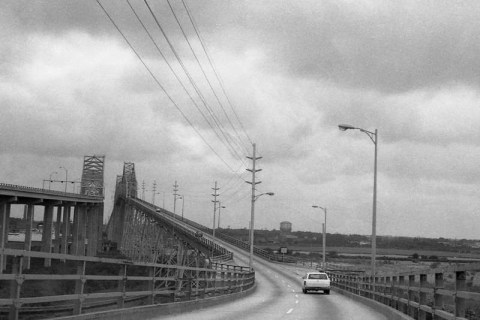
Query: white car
[(316, 281)]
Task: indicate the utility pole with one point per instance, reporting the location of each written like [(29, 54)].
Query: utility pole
[(215, 195), (254, 158), (143, 189), (175, 194)]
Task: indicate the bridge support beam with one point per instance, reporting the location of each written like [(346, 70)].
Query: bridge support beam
[(94, 229), (65, 229), (78, 241), (30, 212), (4, 223), (47, 233), (58, 226)]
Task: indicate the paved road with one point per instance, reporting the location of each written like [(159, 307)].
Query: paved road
[(279, 296)]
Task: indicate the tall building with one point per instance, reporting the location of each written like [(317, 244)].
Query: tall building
[(285, 226)]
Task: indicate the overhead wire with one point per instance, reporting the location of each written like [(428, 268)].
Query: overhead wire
[(193, 83), (204, 73), (161, 86), (192, 20), (172, 70)]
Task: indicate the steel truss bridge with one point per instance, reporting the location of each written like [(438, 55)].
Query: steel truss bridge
[(147, 255), (150, 254)]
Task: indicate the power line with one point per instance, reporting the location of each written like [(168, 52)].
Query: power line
[(192, 20), (203, 71), (161, 87), (172, 70), (202, 98)]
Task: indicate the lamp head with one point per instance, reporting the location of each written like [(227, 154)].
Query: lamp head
[(345, 127), (270, 193)]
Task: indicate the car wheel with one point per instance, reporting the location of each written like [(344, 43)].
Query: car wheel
[(304, 291), (327, 291)]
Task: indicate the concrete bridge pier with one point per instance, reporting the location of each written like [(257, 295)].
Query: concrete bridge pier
[(65, 229), (4, 222), (29, 217), (94, 228), (58, 225), (47, 233)]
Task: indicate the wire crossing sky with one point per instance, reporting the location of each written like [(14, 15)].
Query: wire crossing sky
[(184, 88)]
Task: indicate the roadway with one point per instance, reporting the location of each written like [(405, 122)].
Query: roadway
[(279, 296)]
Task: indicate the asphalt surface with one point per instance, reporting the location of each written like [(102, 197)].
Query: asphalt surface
[(279, 296)]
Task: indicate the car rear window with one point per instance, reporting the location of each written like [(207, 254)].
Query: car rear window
[(320, 276)]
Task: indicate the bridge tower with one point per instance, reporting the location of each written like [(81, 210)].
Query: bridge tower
[(146, 233), (88, 219), (92, 176), (125, 187)]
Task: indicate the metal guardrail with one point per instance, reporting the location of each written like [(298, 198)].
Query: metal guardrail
[(444, 293), (145, 283), (12, 187)]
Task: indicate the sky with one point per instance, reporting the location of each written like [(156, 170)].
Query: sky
[(278, 74)]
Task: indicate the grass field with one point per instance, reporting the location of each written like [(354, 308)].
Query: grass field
[(380, 251)]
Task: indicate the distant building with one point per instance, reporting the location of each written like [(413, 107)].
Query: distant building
[(285, 226)]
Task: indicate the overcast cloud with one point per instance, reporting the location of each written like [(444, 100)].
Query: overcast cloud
[(70, 86)]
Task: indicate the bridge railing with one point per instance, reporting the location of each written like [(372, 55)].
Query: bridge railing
[(443, 293), (242, 244), (80, 284), (13, 187), (219, 253)]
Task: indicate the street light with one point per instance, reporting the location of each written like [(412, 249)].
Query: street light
[(49, 180), (252, 218), (219, 208), (324, 234), (66, 177), (374, 137)]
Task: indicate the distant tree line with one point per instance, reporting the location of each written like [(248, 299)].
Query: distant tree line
[(307, 238)]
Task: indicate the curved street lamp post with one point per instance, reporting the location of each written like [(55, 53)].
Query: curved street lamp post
[(374, 137)]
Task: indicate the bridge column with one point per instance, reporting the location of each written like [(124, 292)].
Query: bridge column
[(47, 233), (438, 298), (99, 217), (58, 226), (78, 241), (393, 293), (400, 293), (4, 222), (65, 229), (460, 285), (411, 295), (91, 230), (28, 233), (422, 315)]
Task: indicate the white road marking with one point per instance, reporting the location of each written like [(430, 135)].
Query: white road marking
[(290, 311)]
